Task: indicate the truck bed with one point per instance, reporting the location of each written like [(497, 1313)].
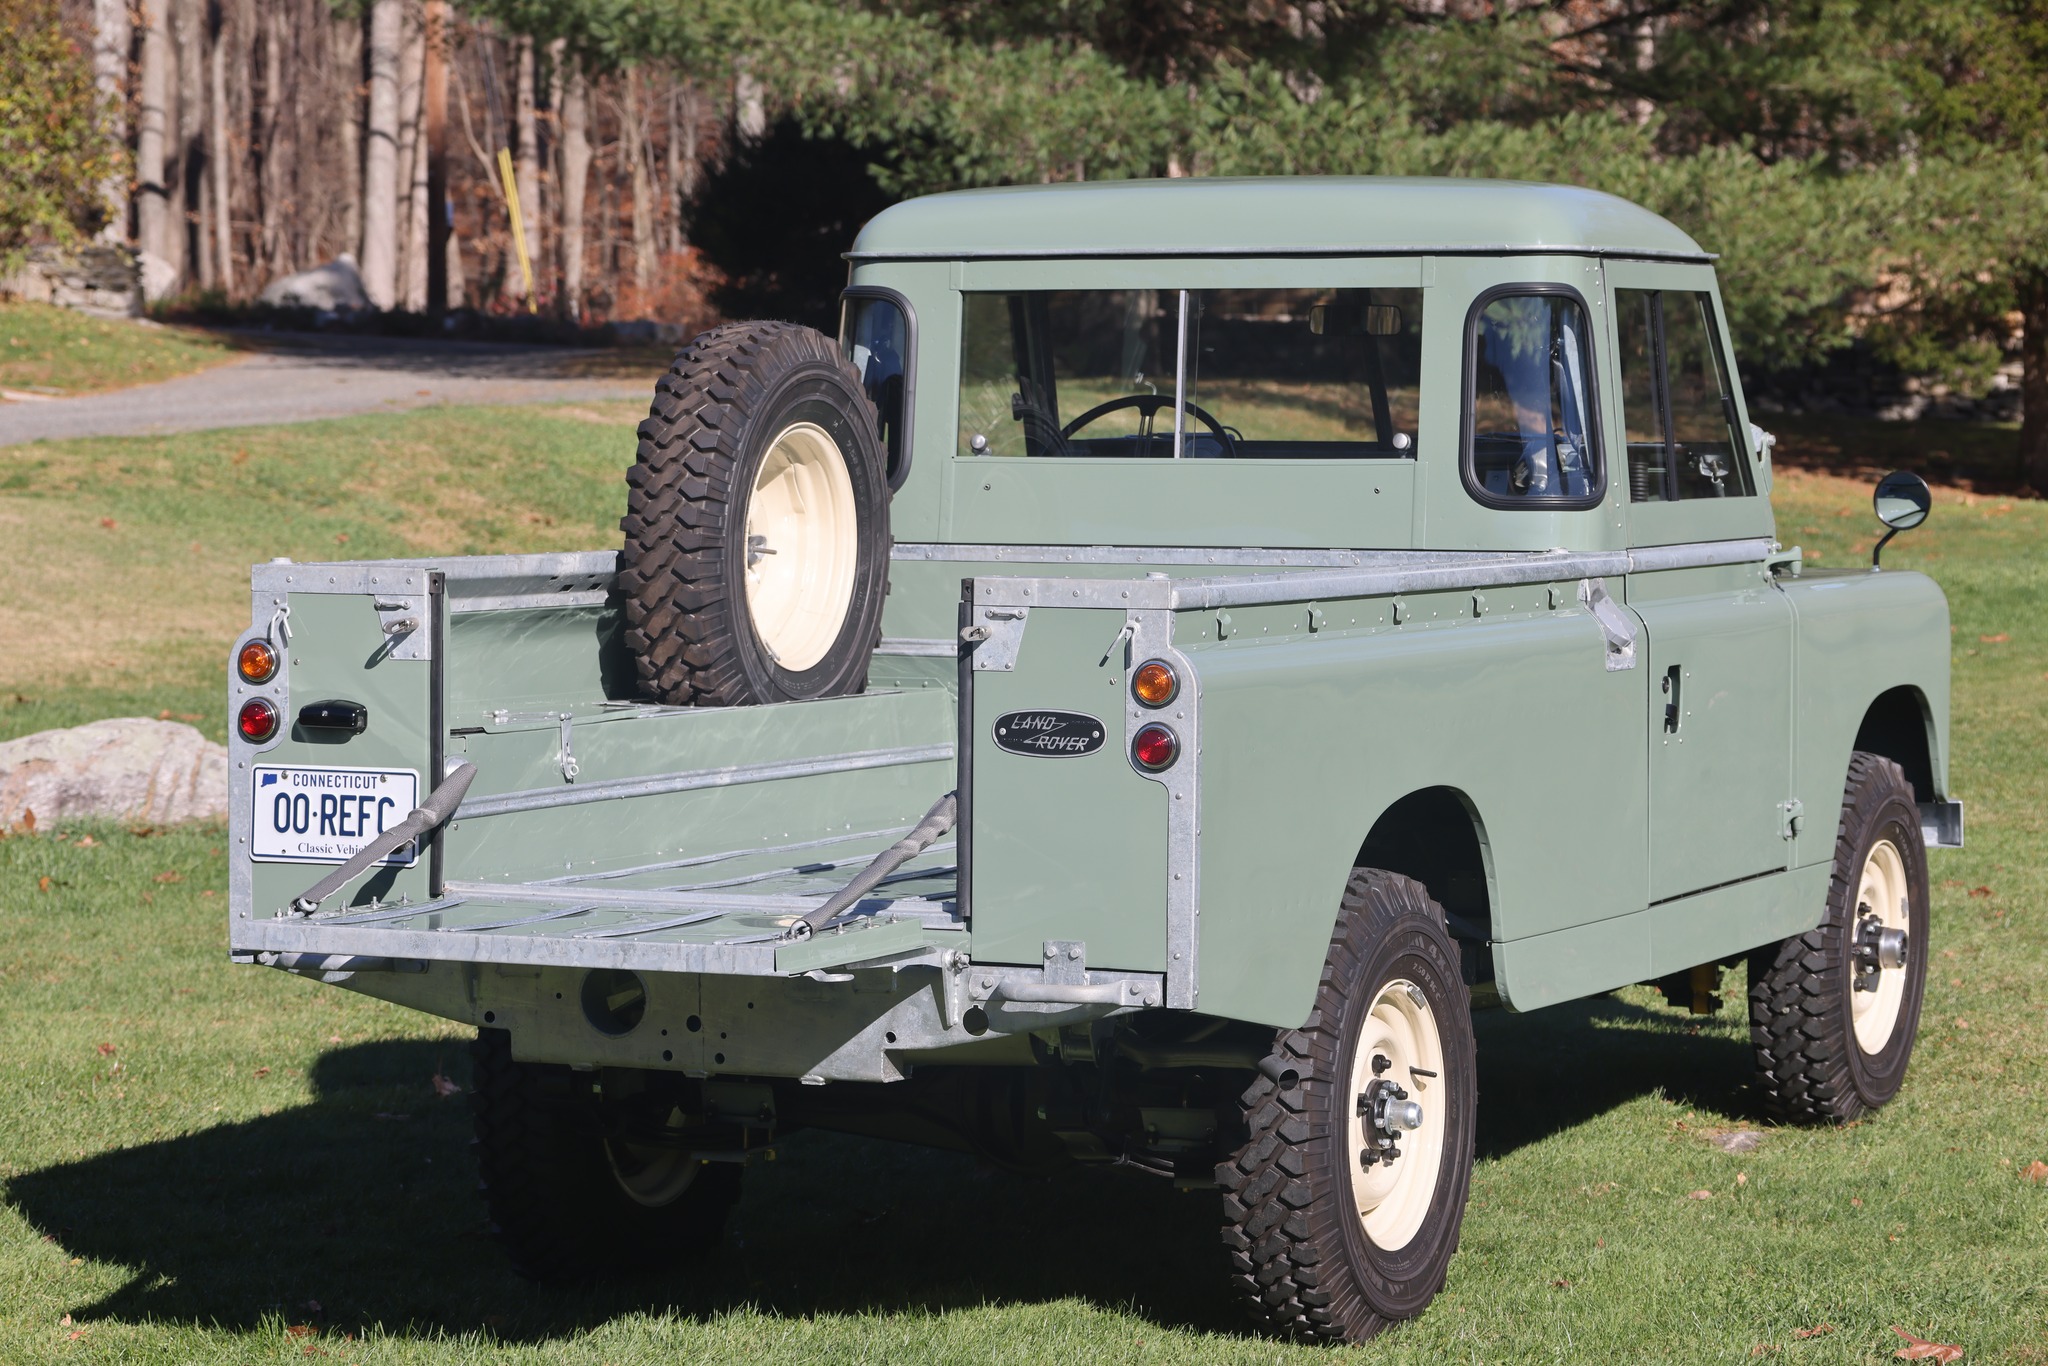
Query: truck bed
[(720, 912)]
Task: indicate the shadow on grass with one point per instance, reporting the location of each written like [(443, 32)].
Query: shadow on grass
[(363, 1203)]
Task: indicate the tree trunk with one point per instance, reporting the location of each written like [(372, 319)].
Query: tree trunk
[(412, 162), (195, 247), (434, 134), (380, 157), (575, 185), (750, 105), (2034, 378), (113, 37), (633, 135), (220, 155), (526, 168), (348, 110), (271, 247), (152, 195)]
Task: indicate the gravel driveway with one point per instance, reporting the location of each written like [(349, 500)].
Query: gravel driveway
[(303, 377)]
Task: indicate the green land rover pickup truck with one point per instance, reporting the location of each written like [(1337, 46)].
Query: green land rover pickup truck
[(1128, 699)]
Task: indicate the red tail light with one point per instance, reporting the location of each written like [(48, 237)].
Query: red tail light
[(1155, 747), (257, 721)]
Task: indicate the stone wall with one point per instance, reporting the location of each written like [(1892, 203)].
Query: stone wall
[(103, 280)]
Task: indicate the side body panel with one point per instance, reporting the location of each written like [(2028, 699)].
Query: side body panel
[(1860, 634), (1308, 737)]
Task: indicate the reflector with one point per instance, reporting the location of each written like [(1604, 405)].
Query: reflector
[(1154, 683), (1155, 747), (257, 661), (257, 721)]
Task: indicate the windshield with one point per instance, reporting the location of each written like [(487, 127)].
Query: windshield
[(1319, 374)]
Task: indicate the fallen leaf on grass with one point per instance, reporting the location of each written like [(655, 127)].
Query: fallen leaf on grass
[(64, 1322), (87, 842), (1980, 891), (2035, 1171), (445, 1088), (107, 522), (1742, 1178), (1962, 1023), (43, 883), (168, 877), (334, 1038), (1813, 1332), (300, 1330), (106, 1049), (1700, 1195), (1998, 639), (1561, 1283), (1920, 1349), (1764, 1349), (262, 1071)]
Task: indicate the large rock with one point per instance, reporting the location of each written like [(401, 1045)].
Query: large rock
[(130, 768), (335, 286)]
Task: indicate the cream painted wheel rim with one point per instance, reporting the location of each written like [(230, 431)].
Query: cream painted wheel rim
[(653, 1177), (1393, 1198), (803, 544), (1882, 888)]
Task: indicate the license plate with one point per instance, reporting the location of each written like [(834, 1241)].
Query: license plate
[(324, 815)]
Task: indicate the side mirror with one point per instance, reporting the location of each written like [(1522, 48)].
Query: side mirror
[(1902, 501)]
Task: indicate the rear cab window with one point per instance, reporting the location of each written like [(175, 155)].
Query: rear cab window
[(1194, 374)]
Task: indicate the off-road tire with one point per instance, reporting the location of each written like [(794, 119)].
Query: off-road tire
[(1810, 1067), (1296, 1246), (727, 398), (548, 1182)]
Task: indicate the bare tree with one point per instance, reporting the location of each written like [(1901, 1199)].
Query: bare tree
[(633, 139), (350, 116), (412, 159), (113, 36), (152, 195), (220, 154), (190, 199), (380, 157), (575, 115), (526, 169), (443, 251), (270, 249)]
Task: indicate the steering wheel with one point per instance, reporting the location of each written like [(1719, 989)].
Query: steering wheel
[(1148, 406)]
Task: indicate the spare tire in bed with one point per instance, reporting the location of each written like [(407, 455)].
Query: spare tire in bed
[(757, 523)]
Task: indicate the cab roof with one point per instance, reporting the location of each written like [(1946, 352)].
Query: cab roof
[(1270, 216)]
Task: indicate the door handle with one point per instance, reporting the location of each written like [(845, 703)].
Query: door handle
[(1672, 714)]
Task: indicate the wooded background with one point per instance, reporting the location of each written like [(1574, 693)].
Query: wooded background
[(1873, 172)]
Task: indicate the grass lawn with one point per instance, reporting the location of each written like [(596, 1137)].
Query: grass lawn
[(207, 1163), (56, 351)]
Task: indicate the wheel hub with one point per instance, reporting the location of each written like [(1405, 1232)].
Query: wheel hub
[(1388, 1113), (1878, 948)]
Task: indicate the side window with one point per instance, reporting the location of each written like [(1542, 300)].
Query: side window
[(1676, 400), (1529, 402), (874, 335)]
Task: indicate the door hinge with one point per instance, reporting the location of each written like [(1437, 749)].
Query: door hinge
[(1791, 816)]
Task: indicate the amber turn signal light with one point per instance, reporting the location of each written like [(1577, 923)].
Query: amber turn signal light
[(257, 720), (257, 662), (1155, 684), (1155, 747)]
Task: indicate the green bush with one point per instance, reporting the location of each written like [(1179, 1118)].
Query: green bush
[(55, 152)]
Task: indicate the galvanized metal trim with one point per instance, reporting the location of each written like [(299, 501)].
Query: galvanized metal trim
[(924, 649), (668, 865), (1151, 637), (514, 602), (1422, 572), (549, 798), (1195, 557), (716, 902), (1335, 252)]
